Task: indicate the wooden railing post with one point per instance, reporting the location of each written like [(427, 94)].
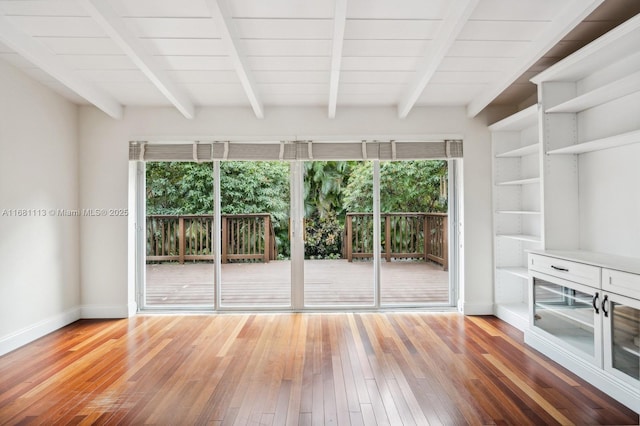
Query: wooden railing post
[(387, 238), (427, 237), (225, 239), (349, 238), (182, 242), (445, 242), (267, 237)]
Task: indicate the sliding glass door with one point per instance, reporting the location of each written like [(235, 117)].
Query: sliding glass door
[(339, 234), (293, 235), (414, 231), (178, 234), (255, 247)]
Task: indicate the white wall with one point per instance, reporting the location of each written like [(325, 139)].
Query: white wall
[(609, 180), (610, 201), (39, 256), (104, 179)]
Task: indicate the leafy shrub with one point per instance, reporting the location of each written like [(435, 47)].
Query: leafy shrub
[(323, 237)]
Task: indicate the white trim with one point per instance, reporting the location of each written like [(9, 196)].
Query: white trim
[(377, 237), (477, 308), (35, 331), (382, 137), (104, 311)]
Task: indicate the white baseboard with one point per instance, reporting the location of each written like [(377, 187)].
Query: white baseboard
[(42, 328), (104, 311), (133, 309), (477, 308)]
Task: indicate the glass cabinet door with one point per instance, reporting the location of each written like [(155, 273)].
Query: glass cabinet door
[(622, 337), (565, 310)]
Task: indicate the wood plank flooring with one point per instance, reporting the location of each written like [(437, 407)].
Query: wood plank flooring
[(294, 369), (327, 283)]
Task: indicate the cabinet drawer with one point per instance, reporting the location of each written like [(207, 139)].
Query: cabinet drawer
[(566, 269), (622, 283)]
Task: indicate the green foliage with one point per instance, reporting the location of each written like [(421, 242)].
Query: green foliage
[(331, 188), (405, 186), (323, 236), (179, 188), (323, 185), (258, 187)]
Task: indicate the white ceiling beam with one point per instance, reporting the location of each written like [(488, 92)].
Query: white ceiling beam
[(41, 57), (222, 14), (339, 22), (115, 28), (457, 16), (559, 27)]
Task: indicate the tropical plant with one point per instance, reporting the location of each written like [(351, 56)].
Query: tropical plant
[(405, 186), (323, 185)]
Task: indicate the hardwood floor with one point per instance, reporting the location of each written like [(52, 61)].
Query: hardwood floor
[(296, 369)]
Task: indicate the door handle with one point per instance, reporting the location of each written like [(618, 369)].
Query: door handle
[(604, 304), (594, 303)]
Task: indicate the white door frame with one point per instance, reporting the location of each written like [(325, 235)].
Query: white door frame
[(297, 243)]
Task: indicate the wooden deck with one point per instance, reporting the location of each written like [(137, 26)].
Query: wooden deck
[(327, 283)]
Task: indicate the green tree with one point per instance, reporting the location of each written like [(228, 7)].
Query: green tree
[(405, 186), (179, 188)]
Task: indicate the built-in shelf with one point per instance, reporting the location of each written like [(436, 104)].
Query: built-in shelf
[(599, 144), (515, 313), (521, 120), (520, 181), (521, 152), (521, 272), (601, 95), (521, 237), (524, 212), (576, 313)]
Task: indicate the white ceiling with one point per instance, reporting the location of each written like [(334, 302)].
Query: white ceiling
[(331, 53)]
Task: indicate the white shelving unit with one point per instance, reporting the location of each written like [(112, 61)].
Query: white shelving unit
[(517, 211), (589, 126)]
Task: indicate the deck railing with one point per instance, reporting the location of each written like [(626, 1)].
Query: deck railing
[(403, 236), (245, 237)]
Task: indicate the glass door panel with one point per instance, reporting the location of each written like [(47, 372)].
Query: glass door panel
[(338, 234), (567, 314), (414, 222), (624, 331), (179, 229), (255, 244)]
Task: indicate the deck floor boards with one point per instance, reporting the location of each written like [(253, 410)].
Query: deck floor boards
[(327, 283)]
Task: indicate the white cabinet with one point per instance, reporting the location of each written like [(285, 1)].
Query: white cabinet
[(569, 314), (517, 211), (577, 320)]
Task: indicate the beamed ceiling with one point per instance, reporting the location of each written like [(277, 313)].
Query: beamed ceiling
[(330, 53)]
